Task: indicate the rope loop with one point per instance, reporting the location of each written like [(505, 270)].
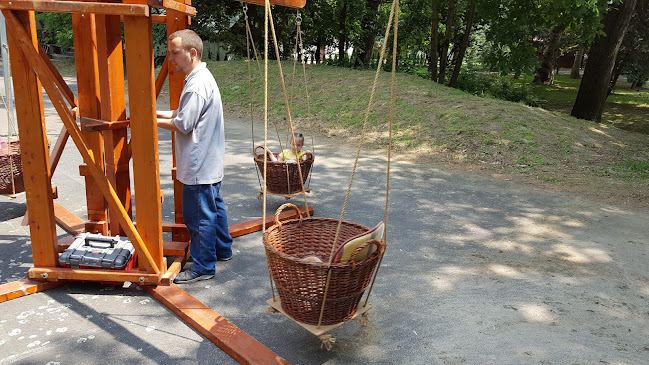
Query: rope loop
[(298, 17)]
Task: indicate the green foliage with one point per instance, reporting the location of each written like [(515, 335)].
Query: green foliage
[(57, 29), (496, 87)]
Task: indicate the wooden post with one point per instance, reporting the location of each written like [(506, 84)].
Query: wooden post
[(144, 133), (33, 145), (85, 52), (176, 21), (113, 108)]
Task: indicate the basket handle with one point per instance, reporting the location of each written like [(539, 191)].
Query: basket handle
[(281, 208), (360, 248), (257, 155)]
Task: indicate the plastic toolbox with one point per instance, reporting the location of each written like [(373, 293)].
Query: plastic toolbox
[(95, 251)]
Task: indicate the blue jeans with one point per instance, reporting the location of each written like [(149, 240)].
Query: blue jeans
[(205, 217)]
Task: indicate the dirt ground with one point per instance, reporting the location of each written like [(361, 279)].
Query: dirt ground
[(480, 268)]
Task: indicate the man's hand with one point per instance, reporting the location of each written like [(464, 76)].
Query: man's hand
[(166, 119)]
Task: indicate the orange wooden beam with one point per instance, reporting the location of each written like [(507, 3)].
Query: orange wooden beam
[(162, 76), (288, 3), (31, 123), (176, 6), (75, 134), (228, 337), (250, 226), (254, 225), (174, 248), (68, 221), (53, 6), (20, 288), (55, 274), (96, 125), (144, 132), (113, 108), (58, 79)]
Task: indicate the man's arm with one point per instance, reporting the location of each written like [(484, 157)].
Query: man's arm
[(166, 119)]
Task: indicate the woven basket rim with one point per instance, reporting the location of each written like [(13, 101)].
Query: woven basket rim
[(300, 261)]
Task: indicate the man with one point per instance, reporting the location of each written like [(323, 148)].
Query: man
[(200, 154)]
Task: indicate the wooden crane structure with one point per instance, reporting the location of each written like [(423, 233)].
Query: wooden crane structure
[(101, 136)]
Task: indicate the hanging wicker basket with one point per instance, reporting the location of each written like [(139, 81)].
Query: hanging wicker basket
[(283, 177), (11, 166), (301, 283)]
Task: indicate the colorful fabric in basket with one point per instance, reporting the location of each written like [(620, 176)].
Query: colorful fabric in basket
[(347, 248)]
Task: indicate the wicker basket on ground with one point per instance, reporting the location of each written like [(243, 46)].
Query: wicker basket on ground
[(283, 177), (11, 170), (301, 283)]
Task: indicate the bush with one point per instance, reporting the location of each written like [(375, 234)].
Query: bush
[(497, 87)]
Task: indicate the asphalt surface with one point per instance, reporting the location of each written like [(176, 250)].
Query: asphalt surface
[(477, 271)]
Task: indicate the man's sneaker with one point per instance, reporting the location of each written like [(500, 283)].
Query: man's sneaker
[(188, 276), (224, 258)]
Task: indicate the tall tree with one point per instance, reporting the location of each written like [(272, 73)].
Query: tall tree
[(601, 60), (434, 33), (465, 43), (369, 25), (545, 73), (342, 31), (443, 54), (576, 64)]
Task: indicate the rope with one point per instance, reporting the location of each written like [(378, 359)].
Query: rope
[(252, 114), (387, 185), (395, 6), (327, 341), (286, 103), (263, 224)]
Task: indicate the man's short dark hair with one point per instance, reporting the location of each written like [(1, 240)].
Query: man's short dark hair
[(189, 39)]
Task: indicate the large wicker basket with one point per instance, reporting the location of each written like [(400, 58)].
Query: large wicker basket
[(11, 165), (282, 177), (301, 283)]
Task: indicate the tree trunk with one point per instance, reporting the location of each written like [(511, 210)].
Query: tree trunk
[(464, 44), (342, 32), (601, 60), (545, 73), (434, 32), (576, 65), (443, 55), (318, 47), (368, 24)]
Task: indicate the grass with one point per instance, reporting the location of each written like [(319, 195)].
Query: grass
[(625, 108), (434, 124)]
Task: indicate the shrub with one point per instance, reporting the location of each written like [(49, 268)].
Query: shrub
[(497, 87)]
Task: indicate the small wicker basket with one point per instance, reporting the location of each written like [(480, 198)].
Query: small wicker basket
[(301, 283), (282, 177), (11, 168)]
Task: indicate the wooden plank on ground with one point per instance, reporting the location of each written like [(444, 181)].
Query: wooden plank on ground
[(250, 226), (175, 248), (20, 288), (68, 221), (254, 225), (228, 337)]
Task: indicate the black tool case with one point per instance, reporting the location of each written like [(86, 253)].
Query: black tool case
[(95, 251)]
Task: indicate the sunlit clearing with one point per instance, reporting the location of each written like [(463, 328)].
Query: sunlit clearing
[(599, 131), (581, 256), (505, 270), (536, 313)]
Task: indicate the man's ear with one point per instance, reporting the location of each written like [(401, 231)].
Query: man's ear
[(193, 52)]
